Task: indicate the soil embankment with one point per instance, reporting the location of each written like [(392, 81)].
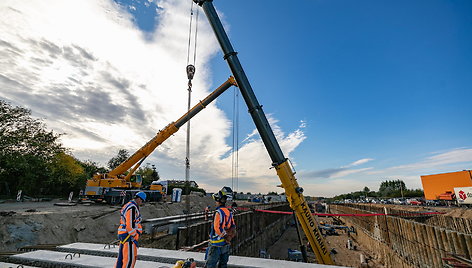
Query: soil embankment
[(32, 223)]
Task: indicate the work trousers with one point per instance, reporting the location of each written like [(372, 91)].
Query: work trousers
[(127, 255), (217, 256)]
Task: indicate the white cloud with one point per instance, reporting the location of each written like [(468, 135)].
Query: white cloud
[(303, 124), (440, 160), (334, 187), (87, 69), (360, 162), (348, 180), (348, 172)]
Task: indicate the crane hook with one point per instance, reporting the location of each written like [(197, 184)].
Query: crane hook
[(190, 71)]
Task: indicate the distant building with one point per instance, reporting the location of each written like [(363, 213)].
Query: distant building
[(437, 185), (181, 182), (275, 198), (240, 196), (167, 184)]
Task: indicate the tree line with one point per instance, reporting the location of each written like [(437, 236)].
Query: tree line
[(387, 189), (33, 160)]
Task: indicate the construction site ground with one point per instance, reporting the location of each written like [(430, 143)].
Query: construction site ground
[(33, 223), (343, 255)]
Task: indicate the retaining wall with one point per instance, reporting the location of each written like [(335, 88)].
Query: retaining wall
[(255, 231), (407, 243)]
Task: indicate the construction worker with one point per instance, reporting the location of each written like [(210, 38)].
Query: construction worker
[(129, 231), (222, 231)]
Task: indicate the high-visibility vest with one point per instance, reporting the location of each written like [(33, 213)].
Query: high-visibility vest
[(130, 222), (222, 221)]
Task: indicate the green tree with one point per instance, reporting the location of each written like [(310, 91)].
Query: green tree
[(91, 168), (148, 173), (120, 157), (392, 188), (66, 174), (27, 149)]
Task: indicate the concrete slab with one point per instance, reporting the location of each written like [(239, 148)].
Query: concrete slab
[(56, 258), (169, 256), (14, 265)]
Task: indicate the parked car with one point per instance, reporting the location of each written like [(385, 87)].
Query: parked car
[(399, 201), (433, 203), (414, 202)]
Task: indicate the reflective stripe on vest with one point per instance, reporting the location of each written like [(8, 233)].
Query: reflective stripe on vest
[(135, 223), (225, 222)]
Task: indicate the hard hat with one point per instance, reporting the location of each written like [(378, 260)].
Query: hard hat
[(179, 264), (141, 195), (223, 195)]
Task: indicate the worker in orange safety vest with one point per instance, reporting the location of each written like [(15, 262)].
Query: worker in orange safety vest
[(222, 231), (129, 231)]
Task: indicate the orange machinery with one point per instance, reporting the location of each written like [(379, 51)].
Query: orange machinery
[(436, 185)]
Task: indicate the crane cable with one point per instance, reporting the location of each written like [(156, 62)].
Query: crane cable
[(235, 141), (190, 73), (190, 36)]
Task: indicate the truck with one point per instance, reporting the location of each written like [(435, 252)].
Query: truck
[(463, 195), (121, 184), (281, 164)]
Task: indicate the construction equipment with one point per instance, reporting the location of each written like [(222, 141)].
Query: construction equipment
[(463, 195), (282, 165), (120, 184)]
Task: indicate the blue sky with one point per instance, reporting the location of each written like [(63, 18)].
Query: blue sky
[(374, 78), (387, 80), (359, 91)]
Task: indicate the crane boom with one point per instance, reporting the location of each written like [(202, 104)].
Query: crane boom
[(170, 129), (101, 183), (285, 172)]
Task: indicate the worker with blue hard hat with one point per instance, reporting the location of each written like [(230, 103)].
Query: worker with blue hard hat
[(129, 231)]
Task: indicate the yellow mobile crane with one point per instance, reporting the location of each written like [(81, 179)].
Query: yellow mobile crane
[(121, 183), (285, 172)]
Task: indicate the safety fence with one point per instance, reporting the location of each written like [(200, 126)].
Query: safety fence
[(256, 231), (403, 242)]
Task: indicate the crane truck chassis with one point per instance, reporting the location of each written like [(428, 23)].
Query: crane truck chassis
[(115, 188), (285, 172)]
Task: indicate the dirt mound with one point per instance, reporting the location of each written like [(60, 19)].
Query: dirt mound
[(458, 212), (35, 223), (465, 213)]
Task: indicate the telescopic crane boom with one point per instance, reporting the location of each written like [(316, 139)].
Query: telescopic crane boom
[(285, 172), (101, 184)]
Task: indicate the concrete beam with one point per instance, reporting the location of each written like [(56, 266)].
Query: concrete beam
[(170, 256), (14, 265), (63, 258)]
